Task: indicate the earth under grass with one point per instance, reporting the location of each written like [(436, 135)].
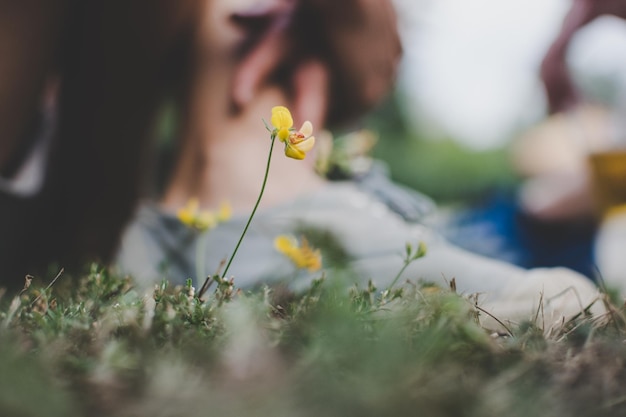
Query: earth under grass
[(91, 345)]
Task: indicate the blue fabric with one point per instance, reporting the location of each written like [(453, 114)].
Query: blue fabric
[(498, 228)]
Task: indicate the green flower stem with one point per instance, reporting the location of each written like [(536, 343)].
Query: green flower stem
[(410, 257), (398, 275), (200, 252), (245, 229)]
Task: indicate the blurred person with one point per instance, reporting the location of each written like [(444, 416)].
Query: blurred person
[(561, 91), (341, 60), (555, 154), (555, 206), (79, 87), (574, 163)]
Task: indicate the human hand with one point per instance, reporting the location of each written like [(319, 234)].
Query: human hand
[(561, 92), (356, 39)]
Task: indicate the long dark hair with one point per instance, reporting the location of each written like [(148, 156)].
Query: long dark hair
[(111, 64)]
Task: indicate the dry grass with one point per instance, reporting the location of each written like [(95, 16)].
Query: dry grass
[(90, 345)]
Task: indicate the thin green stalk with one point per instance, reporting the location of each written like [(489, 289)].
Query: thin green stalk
[(200, 252), (410, 256), (406, 264), (245, 229)]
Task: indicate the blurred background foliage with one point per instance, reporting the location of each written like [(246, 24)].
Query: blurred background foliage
[(443, 168)]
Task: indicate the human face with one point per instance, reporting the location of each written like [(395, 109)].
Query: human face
[(227, 24)]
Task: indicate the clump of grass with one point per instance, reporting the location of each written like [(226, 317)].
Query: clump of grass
[(93, 345)]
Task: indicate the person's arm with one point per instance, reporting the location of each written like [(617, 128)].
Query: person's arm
[(357, 40), (363, 50), (560, 89)]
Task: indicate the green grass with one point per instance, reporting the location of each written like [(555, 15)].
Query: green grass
[(90, 345)]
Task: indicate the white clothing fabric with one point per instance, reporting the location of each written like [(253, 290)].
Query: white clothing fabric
[(374, 236)]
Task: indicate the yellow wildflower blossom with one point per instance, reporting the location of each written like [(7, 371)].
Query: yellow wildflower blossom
[(300, 142), (282, 122), (225, 212), (302, 255), (202, 220), (297, 142)]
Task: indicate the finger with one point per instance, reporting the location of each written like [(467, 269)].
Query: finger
[(265, 56), (363, 50), (310, 92)]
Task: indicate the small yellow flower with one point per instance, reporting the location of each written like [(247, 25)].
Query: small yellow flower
[(297, 142), (225, 212), (300, 142), (202, 220), (302, 255), (282, 122)]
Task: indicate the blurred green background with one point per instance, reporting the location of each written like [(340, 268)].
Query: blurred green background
[(442, 168)]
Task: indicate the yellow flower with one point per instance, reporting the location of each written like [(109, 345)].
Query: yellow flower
[(282, 122), (202, 220), (300, 142), (302, 255), (225, 212), (297, 142)]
